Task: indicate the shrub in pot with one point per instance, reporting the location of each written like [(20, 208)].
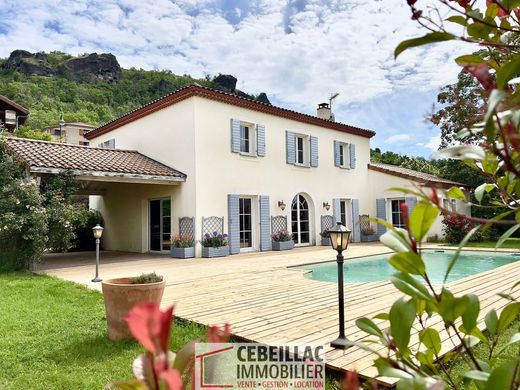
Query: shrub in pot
[(183, 246), (325, 237), (215, 245), (121, 294), (282, 241), (368, 233)]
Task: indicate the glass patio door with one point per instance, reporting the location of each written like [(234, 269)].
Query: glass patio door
[(160, 225), (300, 220)]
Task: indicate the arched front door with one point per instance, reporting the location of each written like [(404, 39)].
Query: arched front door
[(300, 218)]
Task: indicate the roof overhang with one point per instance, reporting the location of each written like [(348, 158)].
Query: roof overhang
[(426, 183), (111, 177), (227, 98)]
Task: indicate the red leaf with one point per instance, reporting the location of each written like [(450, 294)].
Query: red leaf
[(150, 326), (481, 73), (217, 335), (173, 379)]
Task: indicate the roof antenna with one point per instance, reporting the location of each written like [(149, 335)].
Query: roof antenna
[(332, 97)]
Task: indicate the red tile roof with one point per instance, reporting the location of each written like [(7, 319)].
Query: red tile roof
[(421, 177), (228, 98), (15, 105), (45, 156)]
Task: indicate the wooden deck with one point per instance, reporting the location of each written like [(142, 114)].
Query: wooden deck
[(268, 303)]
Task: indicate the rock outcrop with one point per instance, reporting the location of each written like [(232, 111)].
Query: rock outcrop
[(91, 67), (30, 64), (228, 83)]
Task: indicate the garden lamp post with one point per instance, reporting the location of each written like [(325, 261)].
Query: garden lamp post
[(98, 232), (339, 236)]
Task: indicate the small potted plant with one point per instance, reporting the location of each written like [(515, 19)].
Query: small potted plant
[(121, 294), (215, 245), (368, 234), (325, 237), (183, 246), (282, 241)]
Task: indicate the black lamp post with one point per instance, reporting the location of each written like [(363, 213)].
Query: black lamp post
[(98, 232), (339, 236)]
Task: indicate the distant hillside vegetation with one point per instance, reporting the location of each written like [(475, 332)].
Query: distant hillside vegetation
[(91, 88)]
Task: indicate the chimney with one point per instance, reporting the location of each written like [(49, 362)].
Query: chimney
[(324, 112)]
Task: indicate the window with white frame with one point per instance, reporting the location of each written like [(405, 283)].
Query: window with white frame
[(344, 155), (395, 212), (302, 149), (449, 204), (108, 144), (247, 137)]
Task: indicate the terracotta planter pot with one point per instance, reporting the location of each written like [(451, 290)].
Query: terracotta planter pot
[(120, 297)]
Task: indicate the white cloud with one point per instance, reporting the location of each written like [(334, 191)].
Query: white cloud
[(433, 143), (393, 139)]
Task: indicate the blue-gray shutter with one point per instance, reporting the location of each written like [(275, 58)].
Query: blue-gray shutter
[(314, 151), (112, 143), (381, 214), (410, 202), (260, 140), (100, 145), (290, 147), (352, 156), (356, 227), (233, 224), (265, 225), (336, 153), (235, 135), (336, 211)]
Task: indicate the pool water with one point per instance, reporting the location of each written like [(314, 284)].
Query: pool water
[(376, 268)]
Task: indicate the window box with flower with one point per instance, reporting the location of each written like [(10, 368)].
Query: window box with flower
[(215, 245), (183, 246), (325, 238), (282, 241), (368, 234)]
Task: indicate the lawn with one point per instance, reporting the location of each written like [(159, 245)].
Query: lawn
[(510, 243), (53, 336)]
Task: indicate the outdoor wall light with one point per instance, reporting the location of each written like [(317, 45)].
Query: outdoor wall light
[(98, 232), (339, 236), (326, 205), (281, 204)]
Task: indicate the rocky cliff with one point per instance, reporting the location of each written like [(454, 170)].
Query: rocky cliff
[(89, 67)]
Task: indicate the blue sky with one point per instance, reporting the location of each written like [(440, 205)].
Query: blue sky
[(297, 51)]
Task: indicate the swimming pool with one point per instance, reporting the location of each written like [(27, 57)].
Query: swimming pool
[(376, 268)]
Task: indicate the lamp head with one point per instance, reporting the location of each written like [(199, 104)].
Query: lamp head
[(98, 231), (339, 236)]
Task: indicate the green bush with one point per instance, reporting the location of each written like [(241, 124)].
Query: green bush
[(23, 219)]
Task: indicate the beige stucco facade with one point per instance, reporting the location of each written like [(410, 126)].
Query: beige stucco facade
[(194, 137)]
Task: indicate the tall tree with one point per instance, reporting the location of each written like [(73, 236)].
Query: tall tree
[(462, 106)]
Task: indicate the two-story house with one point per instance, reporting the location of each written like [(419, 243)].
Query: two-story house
[(244, 162), (70, 132)]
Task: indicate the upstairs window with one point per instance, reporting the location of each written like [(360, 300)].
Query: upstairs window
[(344, 155), (300, 150), (245, 138)]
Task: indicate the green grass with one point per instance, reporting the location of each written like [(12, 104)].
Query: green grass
[(510, 243), (458, 365), (53, 335)]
